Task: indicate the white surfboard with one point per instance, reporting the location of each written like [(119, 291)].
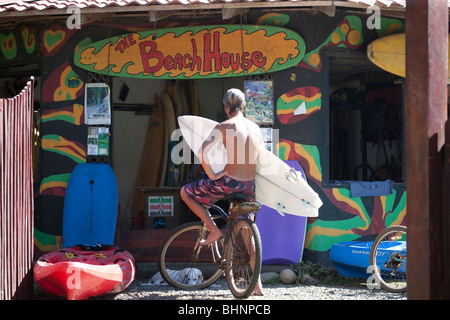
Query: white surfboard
[(277, 185)]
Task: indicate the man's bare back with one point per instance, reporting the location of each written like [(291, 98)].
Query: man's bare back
[(242, 140)]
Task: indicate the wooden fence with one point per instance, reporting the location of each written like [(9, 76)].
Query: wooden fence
[(16, 195)]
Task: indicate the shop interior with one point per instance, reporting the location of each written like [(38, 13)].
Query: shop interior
[(365, 120), (131, 119)]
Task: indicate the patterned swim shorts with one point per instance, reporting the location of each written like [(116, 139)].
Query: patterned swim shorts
[(207, 192)]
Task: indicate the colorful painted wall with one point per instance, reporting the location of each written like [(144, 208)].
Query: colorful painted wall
[(302, 137), (342, 217)]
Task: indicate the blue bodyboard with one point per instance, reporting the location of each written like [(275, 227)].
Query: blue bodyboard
[(90, 206)]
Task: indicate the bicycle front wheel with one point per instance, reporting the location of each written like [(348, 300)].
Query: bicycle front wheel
[(183, 262), (243, 258), (388, 259)]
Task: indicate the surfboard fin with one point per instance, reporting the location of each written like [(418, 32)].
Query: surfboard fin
[(280, 209), (291, 175)]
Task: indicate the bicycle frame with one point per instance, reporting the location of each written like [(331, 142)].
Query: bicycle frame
[(229, 226), (230, 223), (232, 254)]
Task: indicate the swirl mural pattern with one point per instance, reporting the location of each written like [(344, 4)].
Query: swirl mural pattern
[(343, 217)]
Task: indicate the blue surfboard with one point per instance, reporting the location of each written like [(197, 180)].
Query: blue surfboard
[(90, 206)]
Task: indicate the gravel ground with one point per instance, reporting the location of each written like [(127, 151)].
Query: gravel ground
[(140, 290), (353, 289), (220, 291)]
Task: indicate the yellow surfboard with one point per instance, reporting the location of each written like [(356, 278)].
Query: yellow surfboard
[(388, 53)]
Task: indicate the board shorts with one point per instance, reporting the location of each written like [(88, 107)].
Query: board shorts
[(207, 192)]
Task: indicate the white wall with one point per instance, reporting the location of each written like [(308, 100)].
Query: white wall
[(128, 136)]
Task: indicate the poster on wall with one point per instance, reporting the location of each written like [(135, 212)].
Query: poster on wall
[(266, 134), (259, 101), (98, 141), (97, 104)]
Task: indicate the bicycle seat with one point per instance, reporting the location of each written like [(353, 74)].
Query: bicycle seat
[(241, 204)]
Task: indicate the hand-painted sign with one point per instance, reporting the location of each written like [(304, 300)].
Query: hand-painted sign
[(194, 52), (160, 206)]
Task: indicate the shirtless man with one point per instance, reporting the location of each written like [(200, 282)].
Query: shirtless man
[(242, 140)]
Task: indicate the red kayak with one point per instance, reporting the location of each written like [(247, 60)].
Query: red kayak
[(79, 272)]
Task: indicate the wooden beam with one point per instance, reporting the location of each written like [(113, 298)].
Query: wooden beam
[(195, 6), (426, 84), (328, 10), (157, 15), (228, 13)]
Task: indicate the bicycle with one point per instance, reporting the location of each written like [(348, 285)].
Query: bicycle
[(388, 259), (185, 264)]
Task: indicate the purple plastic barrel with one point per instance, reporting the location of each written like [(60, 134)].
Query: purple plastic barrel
[(282, 238)]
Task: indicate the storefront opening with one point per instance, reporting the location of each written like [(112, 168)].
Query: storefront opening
[(366, 140)]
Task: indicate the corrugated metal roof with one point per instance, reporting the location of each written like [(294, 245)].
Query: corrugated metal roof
[(41, 5), (386, 3)]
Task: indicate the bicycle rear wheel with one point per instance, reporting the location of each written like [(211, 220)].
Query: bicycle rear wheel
[(183, 262), (243, 258), (388, 259)]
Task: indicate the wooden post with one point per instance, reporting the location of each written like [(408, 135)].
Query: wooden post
[(427, 161)]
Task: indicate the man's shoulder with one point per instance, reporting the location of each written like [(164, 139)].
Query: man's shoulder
[(252, 125), (232, 122), (225, 125)]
